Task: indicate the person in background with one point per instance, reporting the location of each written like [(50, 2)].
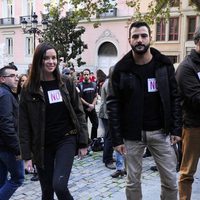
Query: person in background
[(88, 94), (92, 77), (66, 71), (188, 77), (10, 157), (101, 77), (29, 68), (107, 148), (22, 80), (52, 125), (120, 165), (144, 111), (73, 74)]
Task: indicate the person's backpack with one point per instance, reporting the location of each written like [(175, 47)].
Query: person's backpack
[(97, 144)]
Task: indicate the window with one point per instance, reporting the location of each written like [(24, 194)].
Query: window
[(9, 46), (173, 28), (174, 59), (9, 8), (191, 27), (160, 31), (29, 7), (29, 46)]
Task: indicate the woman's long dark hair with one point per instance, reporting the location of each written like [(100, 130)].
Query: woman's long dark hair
[(19, 83), (34, 78)]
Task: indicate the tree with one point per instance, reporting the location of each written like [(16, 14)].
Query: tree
[(159, 9), (196, 3), (63, 31), (66, 36)]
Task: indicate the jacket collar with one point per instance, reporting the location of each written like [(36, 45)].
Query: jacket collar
[(126, 63), (195, 56), (6, 87)]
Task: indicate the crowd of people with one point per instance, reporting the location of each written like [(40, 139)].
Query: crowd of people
[(145, 106)]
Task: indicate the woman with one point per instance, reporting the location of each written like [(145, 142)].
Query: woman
[(22, 80), (101, 77), (51, 123)]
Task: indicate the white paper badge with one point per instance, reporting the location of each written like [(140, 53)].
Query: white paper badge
[(54, 96), (198, 75), (152, 85)]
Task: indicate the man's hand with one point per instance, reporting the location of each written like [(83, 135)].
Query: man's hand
[(90, 107), (29, 166), (174, 139), (121, 149)]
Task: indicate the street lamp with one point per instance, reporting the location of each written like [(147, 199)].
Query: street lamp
[(34, 30)]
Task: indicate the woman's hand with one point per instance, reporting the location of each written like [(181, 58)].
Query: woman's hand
[(82, 152)]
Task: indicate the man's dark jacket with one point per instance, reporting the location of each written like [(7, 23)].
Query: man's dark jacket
[(8, 121), (188, 78), (125, 98)]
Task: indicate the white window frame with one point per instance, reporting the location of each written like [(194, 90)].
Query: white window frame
[(29, 7), (29, 49), (9, 46)]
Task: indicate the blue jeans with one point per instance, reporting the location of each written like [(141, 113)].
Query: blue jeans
[(119, 161), (9, 164), (107, 149)]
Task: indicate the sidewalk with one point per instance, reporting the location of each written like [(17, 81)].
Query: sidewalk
[(91, 180)]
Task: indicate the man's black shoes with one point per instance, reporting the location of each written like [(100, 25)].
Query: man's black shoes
[(110, 165)]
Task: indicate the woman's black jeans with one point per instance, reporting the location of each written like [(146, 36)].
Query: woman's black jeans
[(58, 161)]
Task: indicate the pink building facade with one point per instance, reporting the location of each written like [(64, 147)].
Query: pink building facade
[(106, 44)]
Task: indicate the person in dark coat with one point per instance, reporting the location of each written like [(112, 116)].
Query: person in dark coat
[(144, 111), (10, 157), (188, 78), (52, 123)]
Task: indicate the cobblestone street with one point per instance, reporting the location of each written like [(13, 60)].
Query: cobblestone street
[(91, 180)]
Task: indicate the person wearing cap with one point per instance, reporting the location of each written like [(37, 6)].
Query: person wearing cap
[(66, 71), (188, 78)]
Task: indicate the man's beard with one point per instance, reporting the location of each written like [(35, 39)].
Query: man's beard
[(140, 49)]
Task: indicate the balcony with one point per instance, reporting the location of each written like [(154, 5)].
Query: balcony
[(7, 21), (110, 13), (27, 18)]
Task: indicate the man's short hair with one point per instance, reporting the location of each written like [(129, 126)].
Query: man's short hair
[(138, 24), (87, 70), (196, 36), (3, 69)]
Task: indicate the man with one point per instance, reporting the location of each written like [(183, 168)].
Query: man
[(188, 78), (10, 160), (143, 111), (88, 93)]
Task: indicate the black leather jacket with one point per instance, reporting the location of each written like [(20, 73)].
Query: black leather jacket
[(125, 99), (32, 120), (8, 121), (188, 78)]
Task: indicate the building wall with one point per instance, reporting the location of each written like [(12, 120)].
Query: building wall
[(113, 29)]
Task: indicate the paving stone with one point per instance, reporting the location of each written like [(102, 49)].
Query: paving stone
[(91, 180)]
